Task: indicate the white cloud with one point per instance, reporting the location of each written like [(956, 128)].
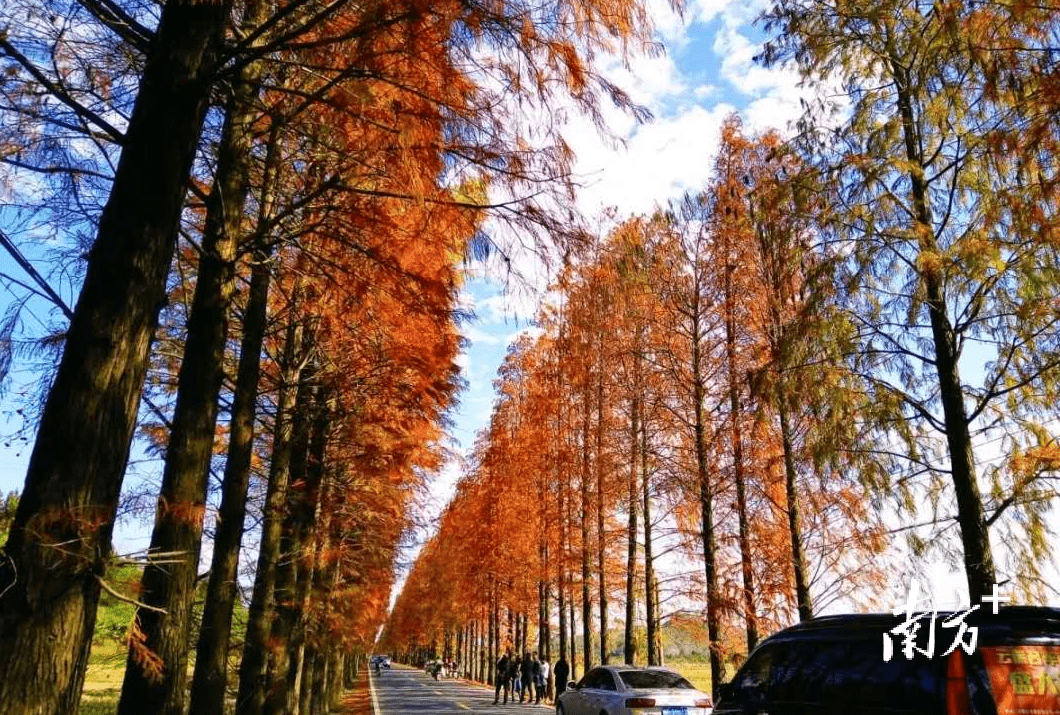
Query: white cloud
[(660, 161), (512, 307), (671, 27), (649, 79), (704, 90), (706, 10), (777, 111), (739, 68), (477, 336)]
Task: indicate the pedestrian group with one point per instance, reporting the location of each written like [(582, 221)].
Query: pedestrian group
[(527, 676)]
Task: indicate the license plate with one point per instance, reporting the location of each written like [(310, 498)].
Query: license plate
[(674, 711)]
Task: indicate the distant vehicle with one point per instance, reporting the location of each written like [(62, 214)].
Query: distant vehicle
[(834, 665), (382, 660), (629, 690)]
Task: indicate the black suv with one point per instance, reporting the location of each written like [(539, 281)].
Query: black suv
[(835, 665)]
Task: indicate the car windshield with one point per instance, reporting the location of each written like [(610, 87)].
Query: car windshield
[(653, 680)]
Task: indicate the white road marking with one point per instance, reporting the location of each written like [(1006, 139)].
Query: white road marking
[(375, 700)]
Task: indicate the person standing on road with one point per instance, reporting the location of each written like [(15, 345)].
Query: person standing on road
[(562, 672), (543, 681), (535, 671), (502, 678), (514, 668), (526, 670)]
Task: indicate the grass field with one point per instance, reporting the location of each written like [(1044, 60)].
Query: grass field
[(106, 667), (697, 673)]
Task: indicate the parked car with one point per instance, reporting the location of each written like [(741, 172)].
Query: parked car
[(626, 689), (834, 665)]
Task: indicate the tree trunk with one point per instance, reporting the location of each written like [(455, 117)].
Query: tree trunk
[(48, 596), (295, 575), (601, 540), (658, 619), (306, 643), (561, 597), (573, 640), (182, 498), (494, 627), (706, 505), (336, 666), (629, 645), (546, 627), (975, 533), (320, 697), (211, 658), (540, 615), (649, 559), (798, 559), (251, 697), (736, 440), (300, 679), (518, 641), (587, 647)]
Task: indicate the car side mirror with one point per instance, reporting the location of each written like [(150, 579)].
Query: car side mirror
[(725, 691), (571, 685)]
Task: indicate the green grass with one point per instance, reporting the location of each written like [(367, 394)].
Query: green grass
[(106, 664), (697, 673), (106, 668)]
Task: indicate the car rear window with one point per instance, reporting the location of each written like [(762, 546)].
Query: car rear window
[(653, 680), (841, 676)]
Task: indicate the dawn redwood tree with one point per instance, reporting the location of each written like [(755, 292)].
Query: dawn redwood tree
[(291, 362), (169, 588), (80, 453), (629, 259), (948, 280), (684, 334), (210, 679), (730, 247)]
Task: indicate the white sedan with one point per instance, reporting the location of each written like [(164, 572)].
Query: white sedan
[(629, 690)]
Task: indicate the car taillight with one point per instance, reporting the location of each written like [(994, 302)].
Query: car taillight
[(640, 702), (704, 703)]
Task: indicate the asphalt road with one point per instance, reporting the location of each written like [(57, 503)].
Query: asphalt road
[(413, 692)]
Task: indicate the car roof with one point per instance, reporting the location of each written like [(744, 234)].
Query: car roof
[(1010, 621)]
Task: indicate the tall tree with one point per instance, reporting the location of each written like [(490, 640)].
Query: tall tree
[(944, 267), (169, 588), (688, 320), (729, 227), (82, 446)]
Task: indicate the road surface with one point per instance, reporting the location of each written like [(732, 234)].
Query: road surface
[(413, 692)]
